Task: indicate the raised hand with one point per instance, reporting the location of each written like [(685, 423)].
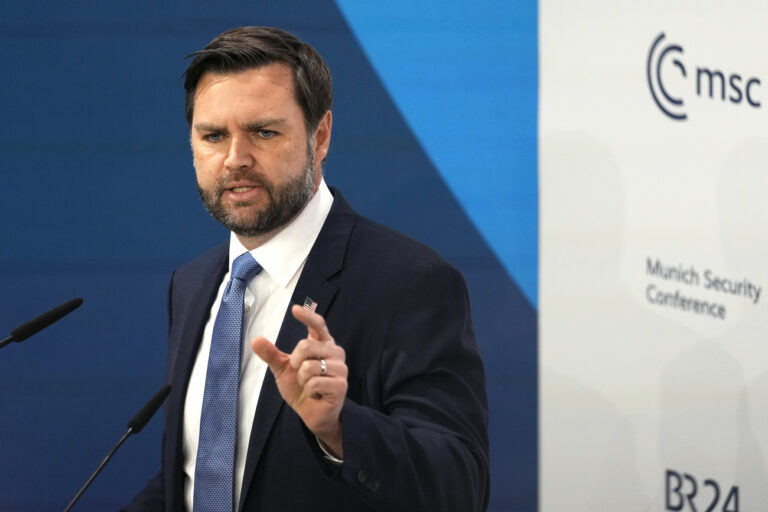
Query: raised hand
[(312, 379)]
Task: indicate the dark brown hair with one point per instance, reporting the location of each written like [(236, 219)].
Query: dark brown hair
[(245, 48)]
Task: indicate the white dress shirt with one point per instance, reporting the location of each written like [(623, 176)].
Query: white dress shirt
[(266, 302)]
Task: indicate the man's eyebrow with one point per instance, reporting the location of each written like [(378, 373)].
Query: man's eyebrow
[(208, 127), (263, 123)]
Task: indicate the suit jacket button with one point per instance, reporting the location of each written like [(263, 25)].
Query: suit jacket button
[(370, 483)]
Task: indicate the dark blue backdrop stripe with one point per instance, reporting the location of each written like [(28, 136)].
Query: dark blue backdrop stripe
[(99, 202)]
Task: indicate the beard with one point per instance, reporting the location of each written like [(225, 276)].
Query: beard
[(284, 203)]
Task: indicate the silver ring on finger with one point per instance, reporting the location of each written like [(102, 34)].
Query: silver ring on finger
[(323, 367)]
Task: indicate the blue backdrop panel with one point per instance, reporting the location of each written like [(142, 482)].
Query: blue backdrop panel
[(463, 75), (99, 202)]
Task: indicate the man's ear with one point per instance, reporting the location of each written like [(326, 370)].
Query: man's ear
[(322, 139)]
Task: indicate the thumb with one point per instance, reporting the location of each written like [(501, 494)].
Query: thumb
[(270, 354)]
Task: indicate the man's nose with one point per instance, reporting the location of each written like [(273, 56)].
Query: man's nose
[(239, 155)]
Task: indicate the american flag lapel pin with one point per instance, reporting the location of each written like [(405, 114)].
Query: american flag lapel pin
[(310, 304)]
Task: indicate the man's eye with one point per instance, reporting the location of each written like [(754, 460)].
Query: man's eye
[(213, 137), (267, 134)]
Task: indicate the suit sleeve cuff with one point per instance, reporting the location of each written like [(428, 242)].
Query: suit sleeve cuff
[(327, 455)]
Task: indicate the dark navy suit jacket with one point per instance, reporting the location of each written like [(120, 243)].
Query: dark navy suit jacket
[(414, 423)]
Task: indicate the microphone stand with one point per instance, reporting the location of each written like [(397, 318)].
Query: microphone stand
[(134, 427), (98, 469)]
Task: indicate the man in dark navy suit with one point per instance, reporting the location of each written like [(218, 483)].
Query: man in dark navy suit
[(362, 388)]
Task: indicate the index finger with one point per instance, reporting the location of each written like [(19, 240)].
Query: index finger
[(315, 323)]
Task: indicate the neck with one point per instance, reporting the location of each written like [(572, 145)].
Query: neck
[(252, 242)]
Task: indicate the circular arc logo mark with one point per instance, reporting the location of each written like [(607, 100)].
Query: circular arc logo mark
[(655, 83)]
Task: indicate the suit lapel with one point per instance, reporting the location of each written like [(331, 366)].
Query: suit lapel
[(325, 260), (192, 320)]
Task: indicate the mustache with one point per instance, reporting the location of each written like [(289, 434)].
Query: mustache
[(254, 177)]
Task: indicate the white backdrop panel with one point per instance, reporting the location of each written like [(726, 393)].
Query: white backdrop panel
[(654, 255)]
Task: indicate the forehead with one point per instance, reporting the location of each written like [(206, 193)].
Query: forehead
[(269, 86)]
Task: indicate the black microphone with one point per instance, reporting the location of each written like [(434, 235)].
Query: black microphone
[(134, 427), (26, 330)]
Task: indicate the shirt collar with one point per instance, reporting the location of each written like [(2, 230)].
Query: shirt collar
[(282, 255)]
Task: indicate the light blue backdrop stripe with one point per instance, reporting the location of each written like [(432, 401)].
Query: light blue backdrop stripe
[(465, 77)]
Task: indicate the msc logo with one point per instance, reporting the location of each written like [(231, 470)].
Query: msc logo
[(712, 84), (654, 78)]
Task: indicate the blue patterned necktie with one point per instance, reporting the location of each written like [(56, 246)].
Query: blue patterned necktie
[(215, 464)]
